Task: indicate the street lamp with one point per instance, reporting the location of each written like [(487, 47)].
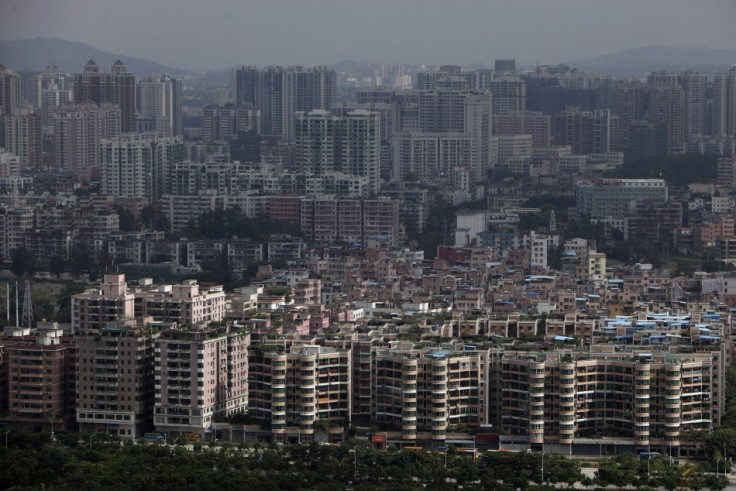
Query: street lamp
[(90, 440), (299, 435), (725, 459), (542, 466), (7, 430)]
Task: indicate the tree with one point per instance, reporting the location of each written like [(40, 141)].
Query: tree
[(720, 440), (57, 266), (128, 221), (23, 262)]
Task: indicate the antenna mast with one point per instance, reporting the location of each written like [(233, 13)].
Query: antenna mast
[(27, 306)]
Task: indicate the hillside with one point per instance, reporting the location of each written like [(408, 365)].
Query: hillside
[(638, 61), (32, 55)]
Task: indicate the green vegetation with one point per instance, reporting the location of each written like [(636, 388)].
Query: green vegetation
[(81, 461), (440, 222), (222, 224), (99, 461)]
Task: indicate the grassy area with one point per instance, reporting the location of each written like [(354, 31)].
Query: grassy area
[(51, 298)]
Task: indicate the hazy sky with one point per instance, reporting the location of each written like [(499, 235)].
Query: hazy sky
[(211, 34)]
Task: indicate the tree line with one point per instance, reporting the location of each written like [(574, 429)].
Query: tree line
[(99, 461)]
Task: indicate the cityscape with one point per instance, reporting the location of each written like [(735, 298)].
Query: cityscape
[(399, 275)]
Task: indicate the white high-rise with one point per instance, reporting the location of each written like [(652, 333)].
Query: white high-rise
[(350, 143), (138, 165), (360, 146), (160, 101)]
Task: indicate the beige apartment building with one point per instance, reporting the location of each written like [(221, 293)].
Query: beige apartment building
[(294, 390), (201, 378), (561, 396), (425, 393)]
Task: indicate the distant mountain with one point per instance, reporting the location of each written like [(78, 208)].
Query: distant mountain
[(639, 61), (32, 55)]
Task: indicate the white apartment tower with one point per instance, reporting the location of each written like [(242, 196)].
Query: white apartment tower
[(139, 165), (360, 147), (160, 101)]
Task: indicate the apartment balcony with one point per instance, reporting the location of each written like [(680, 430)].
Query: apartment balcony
[(536, 382), (536, 436)]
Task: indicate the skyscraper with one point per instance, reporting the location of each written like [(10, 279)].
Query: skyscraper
[(585, 131), (23, 136), (724, 103), (667, 106), (117, 87), (52, 97), (78, 131), (360, 144), (10, 91), (139, 165), (693, 85), (441, 129), (160, 101), (349, 143), (278, 92), (317, 137), (224, 122)]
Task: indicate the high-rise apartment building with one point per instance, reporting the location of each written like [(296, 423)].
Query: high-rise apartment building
[(36, 84), (294, 390), (360, 143), (159, 100), (509, 94), (654, 398), (201, 378), (185, 303), (10, 91), (628, 102), (317, 137), (15, 222), (220, 123), (103, 306), (442, 129), (325, 219), (23, 136), (51, 98), (585, 131), (427, 392), (279, 92), (78, 131), (724, 103), (525, 122), (693, 85), (40, 377), (349, 143), (117, 87), (667, 106), (9, 164), (139, 165), (115, 376)]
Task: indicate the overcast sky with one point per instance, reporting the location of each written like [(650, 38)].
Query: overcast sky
[(211, 34)]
